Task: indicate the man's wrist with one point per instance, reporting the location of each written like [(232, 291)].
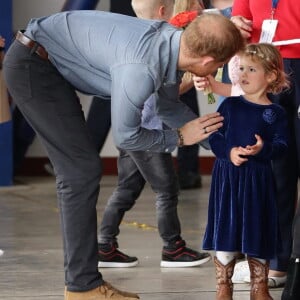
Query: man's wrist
[(180, 138)]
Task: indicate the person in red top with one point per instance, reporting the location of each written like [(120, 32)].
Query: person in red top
[(280, 22)]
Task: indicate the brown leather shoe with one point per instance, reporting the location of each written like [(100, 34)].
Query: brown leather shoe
[(103, 292), (123, 293)]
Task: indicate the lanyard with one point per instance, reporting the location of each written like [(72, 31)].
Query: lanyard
[(274, 6), (274, 3)]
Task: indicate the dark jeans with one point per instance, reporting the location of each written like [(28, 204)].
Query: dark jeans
[(286, 168), (296, 234), (135, 168), (23, 137), (51, 106), (99, 121), (188, 156)]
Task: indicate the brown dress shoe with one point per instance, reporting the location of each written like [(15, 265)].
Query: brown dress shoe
[(123, 293), (103, 292)]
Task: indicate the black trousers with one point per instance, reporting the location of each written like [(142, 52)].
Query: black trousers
[(287, 168)]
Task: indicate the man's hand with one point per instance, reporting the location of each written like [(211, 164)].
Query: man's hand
[(201, 128)]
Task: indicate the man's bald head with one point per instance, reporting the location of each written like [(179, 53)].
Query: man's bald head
[(212, 35), (153, 9)]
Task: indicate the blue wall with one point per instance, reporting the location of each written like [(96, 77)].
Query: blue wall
[(6, 21), (6, 150)]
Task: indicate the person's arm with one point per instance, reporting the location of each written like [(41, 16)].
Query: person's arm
[(186, 84), (131, 86), (217, 87), (242, 17), (130, 89), (217, 140), (278, 145)]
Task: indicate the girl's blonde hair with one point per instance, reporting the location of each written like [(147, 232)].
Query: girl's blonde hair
[(271, 60), (181, 5)]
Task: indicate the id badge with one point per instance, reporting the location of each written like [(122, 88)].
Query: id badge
[(268, 31)]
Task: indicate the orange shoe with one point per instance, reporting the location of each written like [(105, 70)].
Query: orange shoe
[(103, 292)]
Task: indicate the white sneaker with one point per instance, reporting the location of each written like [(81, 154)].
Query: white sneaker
[(240, 272), (242, 275)]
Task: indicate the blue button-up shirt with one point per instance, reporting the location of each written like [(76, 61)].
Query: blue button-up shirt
[(127, 58)]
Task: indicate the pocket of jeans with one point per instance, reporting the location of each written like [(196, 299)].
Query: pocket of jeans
[(17, 78)]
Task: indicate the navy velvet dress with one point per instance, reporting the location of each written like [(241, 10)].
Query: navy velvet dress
[(242, 214)]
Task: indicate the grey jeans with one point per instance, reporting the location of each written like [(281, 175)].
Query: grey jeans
[(135, 168), (51, 106)]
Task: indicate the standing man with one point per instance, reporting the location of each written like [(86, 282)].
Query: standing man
[(107, 54)]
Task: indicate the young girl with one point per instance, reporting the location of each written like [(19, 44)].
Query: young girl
[(242, 214)]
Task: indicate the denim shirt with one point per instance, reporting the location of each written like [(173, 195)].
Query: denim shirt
[(150, 119), (127, 58)]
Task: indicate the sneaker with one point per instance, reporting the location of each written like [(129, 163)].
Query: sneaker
[(273, 281), (110, 257), (240, 272), (180, 256), (103, 292), (276, 281)]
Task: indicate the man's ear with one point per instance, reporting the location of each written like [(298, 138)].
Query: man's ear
[(206, 60), (161, 12)]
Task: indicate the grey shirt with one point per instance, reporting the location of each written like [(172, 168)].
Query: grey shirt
[(126, 58)]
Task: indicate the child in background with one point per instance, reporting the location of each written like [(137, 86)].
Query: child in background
[(242, 215)]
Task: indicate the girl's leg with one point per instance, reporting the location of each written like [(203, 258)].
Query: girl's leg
[(259, 269), (224, 263)]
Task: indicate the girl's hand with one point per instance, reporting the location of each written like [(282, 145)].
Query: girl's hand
[(237, 155), (200, 83), (256, 148)]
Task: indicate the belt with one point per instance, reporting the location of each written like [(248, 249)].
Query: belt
[(26, 41)]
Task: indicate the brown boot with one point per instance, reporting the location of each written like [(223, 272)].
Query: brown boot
[(259, 280), (103, 292), (224, 283)]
